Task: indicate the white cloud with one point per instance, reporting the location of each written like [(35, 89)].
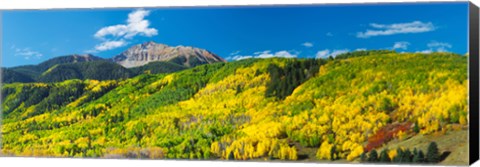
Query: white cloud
[(26, 53), (322, 54), (361, 49), (235, 53), (308, 44), (329, 34), (136, 25), (262, 52), (326, 53), (397, 28), (337, 52), (401, 45), (435, 46), (239, 57), (283, 53), (425, 51), (116, 30), (265, 54), (108, 45), (120, 33)]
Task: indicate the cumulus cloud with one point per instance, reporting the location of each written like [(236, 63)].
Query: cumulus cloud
[(401, 45), (239, 57), (327, 53), (397, 28), (427, 51), (307, 44), (117, 35), (136, 25), (435, 46), (266, 54), (338, 52), (283, 53), (26, 53), (322, 54), (108, 45), (441, 45), (235, 53)]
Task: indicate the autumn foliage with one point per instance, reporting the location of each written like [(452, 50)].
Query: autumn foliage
[(386, 134), (340, 107)]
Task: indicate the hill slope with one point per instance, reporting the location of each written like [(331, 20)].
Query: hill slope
[(249, 109), (10, 76), (31, 73), (99, 70)]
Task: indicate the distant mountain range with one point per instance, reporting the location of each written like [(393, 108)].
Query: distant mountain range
[(148, 57)]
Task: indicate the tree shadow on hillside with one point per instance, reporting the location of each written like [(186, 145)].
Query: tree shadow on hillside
[(302, 157), (444, 155)]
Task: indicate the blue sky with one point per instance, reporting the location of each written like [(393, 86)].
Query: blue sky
[(33, 36)]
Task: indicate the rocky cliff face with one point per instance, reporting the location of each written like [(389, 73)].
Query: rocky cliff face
[(145, 53)]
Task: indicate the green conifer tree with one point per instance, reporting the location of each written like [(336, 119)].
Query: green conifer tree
[(433, 155)]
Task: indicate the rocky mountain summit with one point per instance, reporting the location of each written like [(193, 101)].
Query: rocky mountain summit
[(142, 54)]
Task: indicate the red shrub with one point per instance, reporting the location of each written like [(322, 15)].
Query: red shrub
[(386, 134)]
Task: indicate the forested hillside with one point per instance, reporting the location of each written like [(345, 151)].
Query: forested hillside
[(252, 109)]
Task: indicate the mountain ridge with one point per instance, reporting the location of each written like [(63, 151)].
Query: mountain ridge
[(145, 57)]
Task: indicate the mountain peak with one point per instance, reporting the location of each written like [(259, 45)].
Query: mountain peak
[(150, 51), (149, 43), (85, 56)]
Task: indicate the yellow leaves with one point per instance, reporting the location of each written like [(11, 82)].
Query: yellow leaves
[(401, 135), (253, 147), (215, 148), (392, 153), (169, 78), (263, 147), (82, 142), (100, 141), (434, 108), (27, 137), (77, 101), (292, 155), (91, 84), (324, 119), (249, 151), (348, 145), (41, 85), (286, 152), (264, 130), (463, 120), (162, 82), (322, 70), (356, 137), (356, 151), (324, 150), (236, 154), (95, 132)]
